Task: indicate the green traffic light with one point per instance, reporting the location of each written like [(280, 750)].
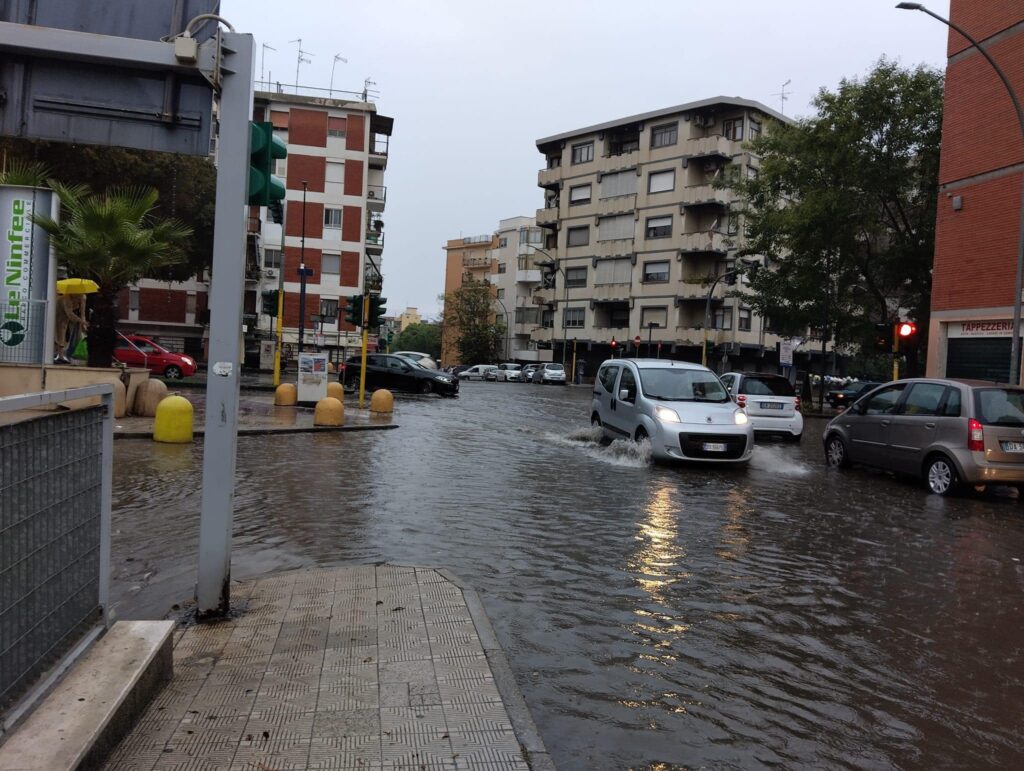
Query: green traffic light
[(264, 150)]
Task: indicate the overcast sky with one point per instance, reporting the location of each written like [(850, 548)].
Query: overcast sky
[(473, 84)]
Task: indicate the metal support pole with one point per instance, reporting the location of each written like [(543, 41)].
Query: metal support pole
[(707, 318), (279, 321), (226, 293), (302, 270), (366, 340), (565, 307)]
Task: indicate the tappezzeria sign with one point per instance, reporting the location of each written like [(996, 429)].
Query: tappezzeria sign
[(24, 263), (981, 328)]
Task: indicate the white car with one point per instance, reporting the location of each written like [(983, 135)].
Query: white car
[(770, 401), (549, 373), (508, 372), (476, 372), (681, 408)]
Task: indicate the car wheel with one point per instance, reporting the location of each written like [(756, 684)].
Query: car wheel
[(940, 475), (641, 435), (172, 373), (835, 452), (426, 387)]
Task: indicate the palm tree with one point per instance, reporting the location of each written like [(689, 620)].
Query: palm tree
[(113, 239)]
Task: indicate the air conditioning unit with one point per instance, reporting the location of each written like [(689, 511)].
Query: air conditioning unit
[(270, 273), (371, 194)]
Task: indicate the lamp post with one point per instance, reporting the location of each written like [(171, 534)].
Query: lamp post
[(707, 313), (1019, 283), (508, 344), (303, 271), (554, 263)]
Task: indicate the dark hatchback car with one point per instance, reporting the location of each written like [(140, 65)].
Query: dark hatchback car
[(841, 397), (398, 374)]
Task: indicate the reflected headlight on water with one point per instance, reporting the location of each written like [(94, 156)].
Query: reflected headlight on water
[(740, 418), (666, 415)]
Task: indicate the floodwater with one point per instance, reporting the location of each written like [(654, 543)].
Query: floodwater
[(654, 616)]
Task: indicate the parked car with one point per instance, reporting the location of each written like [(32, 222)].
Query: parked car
[(549, 373), (947, 432), (840, 398), (526, 373), (398, 374), (457, 370), (770, 401), (424, 359), (682, 408), (138, 351), (505, 372), (476, 372)]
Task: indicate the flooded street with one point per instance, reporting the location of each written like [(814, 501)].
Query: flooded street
[(778, 614)]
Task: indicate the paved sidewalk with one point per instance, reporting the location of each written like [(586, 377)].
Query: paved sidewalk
[(368, 667)]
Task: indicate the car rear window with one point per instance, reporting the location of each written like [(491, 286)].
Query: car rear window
[(999, 406), (762, 385)]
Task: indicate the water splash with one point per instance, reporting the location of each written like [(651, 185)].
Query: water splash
[(621, 452), (779, 460)]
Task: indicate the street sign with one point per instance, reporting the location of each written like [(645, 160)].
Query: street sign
[(637, 340), (786, 353)]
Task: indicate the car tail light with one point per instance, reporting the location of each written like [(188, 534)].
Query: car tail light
[(975, 436), (741, 400), (796, 404)]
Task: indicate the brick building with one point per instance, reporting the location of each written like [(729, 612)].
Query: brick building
[(980, 177)]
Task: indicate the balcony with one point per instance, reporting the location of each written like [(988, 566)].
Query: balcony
[(620, 204), (710, 148), (547, 218), (476, 261), (708, 242), (376, 195), (527, 276), (530, 354), (619, 247), (549, 177), (611, 292), (706, 195), (379, 151)]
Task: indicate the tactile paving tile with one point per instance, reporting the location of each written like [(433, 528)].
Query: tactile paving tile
[(354, 722), (486, 746), (348, 752), (399, 720), (431, 747), (472, 718)]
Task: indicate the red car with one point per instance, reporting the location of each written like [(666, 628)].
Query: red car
[(138, 351)]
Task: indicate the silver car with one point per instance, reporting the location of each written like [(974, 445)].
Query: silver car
[(549, 373), (946, 432), (682, 408)]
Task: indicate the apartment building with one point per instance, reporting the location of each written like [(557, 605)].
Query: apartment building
[(467, 260), (978, 217), (408, 317), (516, 256), (636, 226)]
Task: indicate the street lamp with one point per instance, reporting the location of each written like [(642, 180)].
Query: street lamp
[(554, 263), (508, 344), (1019, 283), (303, 271)]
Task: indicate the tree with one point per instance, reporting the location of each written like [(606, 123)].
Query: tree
[(469, 322), (425, 338), (843, 207), (114, 239)]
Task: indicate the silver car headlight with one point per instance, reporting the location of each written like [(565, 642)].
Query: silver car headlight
[(740, 418), (666, 415)]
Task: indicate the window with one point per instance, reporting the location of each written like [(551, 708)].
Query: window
[(529, 236), (607, 376), (766, 385), (583, 153), (655, 272), (923, 399), (753, 128), (612, 228), (579, 194), (952, 408), (501, 267), (271, 258), (190, 303), (547, 319), (884, 401), (743, 322), (999, 407), (734, 224), (657, 317), (554, 161), (659, 227), (613, 272), (663, 136), (501, 294), (133, 299), (332, 218), (330, 264), (336, 127), (502, 243), (733, 129), (576, 277), (752, 172), (578, 236), (574, 317), (329, 308), (620, 183), (619, 317), (723, 318), (627, 383), (661, 181)]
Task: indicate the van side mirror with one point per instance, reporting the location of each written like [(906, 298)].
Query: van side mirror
[(623, 394)]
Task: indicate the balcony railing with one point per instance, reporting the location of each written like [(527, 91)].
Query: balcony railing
[(708, 241), (379, 144), (476, 262), (706, 195)]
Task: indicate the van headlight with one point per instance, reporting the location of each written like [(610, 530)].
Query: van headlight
[(740, 418), (666, 415)]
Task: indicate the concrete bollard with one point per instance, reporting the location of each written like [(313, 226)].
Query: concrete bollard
[(286, 395), (329, 412), (148, 396), (382, 401), (120, 399), (173, 423), (330, 368), (336, 390)]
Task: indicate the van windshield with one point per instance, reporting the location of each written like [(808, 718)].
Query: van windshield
[(682, 385), (999, 406)]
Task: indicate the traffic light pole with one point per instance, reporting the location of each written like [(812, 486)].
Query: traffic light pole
[(895, 351), (226, 293), (366, 340)]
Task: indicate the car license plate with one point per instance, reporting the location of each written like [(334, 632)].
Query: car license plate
[(772, 405), (1013, 446), (714, 447)]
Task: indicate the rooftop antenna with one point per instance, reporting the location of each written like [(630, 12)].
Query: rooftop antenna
[(301, 58), (783, 97), (263, 60), (337, 58), (369, 92)]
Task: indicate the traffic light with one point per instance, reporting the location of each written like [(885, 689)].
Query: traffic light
[(883, 338), (269, 301), (377, 311), (906, 334), (355, 310), (614, 345), (264, 149), (275, 210)]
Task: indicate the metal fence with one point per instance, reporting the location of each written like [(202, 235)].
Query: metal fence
[(55, 472), (22, 332)]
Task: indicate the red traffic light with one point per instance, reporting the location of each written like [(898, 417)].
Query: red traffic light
[(906, 329), (614, 343)]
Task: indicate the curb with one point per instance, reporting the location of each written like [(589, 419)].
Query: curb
[(262, 431)]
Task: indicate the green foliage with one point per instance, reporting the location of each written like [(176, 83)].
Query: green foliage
[(24, 173), (844, 206), (469, 319), (425, 338)]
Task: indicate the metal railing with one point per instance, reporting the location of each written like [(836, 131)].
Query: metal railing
[(277, 87), (55, 483)]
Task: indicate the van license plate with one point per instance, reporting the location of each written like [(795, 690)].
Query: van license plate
[(714, 447), (1013, 446), (772, 405)]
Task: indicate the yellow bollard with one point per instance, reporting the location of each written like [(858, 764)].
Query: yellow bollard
[(336, 390), (330, 368), (173, 423), (286, 395), (382, 401), (329, 412)]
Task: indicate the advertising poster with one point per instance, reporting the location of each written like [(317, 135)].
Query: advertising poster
[(312, 386)]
